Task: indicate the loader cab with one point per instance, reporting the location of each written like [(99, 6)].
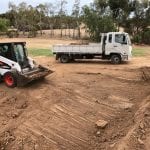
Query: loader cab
[(15, 52), (20, 54)]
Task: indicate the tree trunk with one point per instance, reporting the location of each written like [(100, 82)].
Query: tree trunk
[(69, 31), (73, 33), (65, 32), (61, 32), (79, 33)]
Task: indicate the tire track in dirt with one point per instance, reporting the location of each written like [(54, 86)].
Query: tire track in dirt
[(71, 121), (63, 109)]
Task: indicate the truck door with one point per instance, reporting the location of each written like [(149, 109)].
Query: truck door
[(109, 44), (104, 38)]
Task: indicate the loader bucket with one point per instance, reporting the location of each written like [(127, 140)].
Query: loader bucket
[(35, 74)]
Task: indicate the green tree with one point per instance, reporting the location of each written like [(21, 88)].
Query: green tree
[(42, 11), (50, 15), (4, 23), (138, 23), (62, 14), (76, 16), (97, 20), (12, 14), (120, 10)]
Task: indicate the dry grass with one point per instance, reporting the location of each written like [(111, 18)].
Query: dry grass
[(39, 42), (65, 33), (141, 50)]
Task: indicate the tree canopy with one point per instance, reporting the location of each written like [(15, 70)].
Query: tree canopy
[(110, 15), (3, 25), (100, 16)]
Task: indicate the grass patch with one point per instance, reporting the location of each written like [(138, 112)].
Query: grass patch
[(137, 52), (39, 52)]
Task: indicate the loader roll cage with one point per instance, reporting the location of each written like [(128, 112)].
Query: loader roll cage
[(16, 52)]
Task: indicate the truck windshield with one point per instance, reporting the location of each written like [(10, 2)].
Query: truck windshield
[(120, 38), (19, 53)]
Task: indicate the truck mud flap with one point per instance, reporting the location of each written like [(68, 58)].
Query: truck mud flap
[(39, 73)]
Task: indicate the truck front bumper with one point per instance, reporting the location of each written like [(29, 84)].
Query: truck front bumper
[(126, 57)]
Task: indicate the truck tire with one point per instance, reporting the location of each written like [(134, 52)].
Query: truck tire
[(89, 56), (10, 79), (115, 59), (64, 58), (0, 78)]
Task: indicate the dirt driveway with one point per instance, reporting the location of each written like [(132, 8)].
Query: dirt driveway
[(60, 112)]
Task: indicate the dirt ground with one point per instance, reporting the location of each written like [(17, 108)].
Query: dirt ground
[(60, 112)]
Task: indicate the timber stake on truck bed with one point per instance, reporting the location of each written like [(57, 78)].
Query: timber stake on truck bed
[(16, 68)]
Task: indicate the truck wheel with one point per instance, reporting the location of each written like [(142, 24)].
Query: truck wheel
[(64, 59), (10, 79), (89, 57), (0, 78), (115, 59)]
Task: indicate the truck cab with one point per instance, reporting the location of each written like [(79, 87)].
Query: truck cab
[(117, 43)]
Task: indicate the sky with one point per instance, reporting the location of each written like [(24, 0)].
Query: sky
[(4, 4)]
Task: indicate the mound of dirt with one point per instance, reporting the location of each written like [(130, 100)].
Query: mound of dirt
[(138, 137), (11, 108), (145, 73), (128, 131), (5, 139)]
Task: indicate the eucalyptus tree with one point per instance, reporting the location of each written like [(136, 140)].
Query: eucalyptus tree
[(76, 16), (4, 23), (98, 19), (22, 13), (50, 15), (12, 14), (61, 5), (41, 9)]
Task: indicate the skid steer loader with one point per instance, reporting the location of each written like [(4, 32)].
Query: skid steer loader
[(16, 68)]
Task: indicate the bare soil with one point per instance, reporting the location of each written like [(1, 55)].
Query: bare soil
[(60, 112)]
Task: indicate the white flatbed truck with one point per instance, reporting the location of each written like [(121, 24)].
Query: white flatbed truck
[(114, 46)]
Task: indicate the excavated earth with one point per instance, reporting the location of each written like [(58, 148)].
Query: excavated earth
[(60, 112)]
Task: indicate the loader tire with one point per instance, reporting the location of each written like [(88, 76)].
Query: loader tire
[(64, 59), (10, 79)]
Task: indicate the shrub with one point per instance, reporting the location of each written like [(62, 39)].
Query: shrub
[(146, 36)]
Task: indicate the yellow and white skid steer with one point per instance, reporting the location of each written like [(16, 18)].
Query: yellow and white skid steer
[(16, 68)]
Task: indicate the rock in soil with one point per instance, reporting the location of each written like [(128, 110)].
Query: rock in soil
[(101, 124)]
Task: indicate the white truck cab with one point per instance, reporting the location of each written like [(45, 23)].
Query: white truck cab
[(114, 46)]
